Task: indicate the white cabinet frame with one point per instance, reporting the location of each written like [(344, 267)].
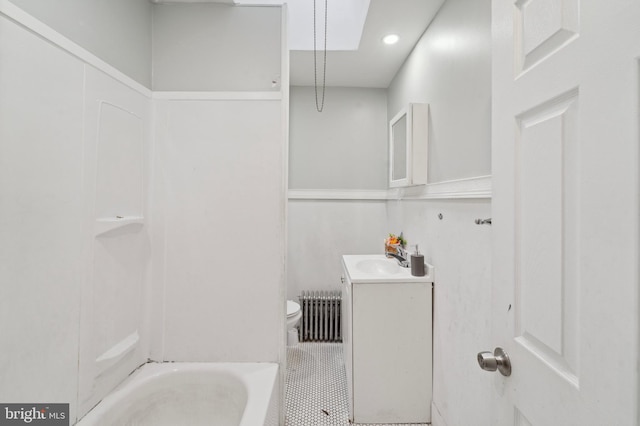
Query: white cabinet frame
[(408, 141)]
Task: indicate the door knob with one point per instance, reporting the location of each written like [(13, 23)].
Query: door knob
[(498, 360)]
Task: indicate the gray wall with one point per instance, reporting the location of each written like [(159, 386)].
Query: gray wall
[(116, 31), (450, 69), (343, 147), (196, 47)]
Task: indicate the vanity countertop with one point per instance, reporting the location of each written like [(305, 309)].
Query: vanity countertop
[(377, 268)]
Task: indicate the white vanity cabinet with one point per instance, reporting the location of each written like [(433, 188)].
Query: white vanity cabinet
[(387, 337)]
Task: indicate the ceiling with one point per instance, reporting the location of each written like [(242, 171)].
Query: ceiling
[(373, 64)]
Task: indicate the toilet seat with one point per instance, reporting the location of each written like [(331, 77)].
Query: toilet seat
[(293, 308)]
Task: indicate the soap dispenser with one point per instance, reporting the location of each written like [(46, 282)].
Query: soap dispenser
[(417, 264)]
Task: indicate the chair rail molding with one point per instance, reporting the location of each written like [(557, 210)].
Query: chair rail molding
[(338, 194), (477, 187)]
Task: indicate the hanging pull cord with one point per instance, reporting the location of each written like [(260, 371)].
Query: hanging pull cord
[(320, 105)]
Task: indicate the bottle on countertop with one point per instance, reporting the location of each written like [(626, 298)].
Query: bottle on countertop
[(417, 264)]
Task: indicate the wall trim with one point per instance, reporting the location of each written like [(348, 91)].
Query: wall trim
[(479, 187), (42, 30), (338, 194), (476, 187), (218, 96)]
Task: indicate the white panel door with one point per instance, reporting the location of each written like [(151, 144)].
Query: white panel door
[(565, 211)]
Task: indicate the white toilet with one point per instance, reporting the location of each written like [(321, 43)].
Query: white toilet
[(293, 317)]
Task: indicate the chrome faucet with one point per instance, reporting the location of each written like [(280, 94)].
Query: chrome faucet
[(400, 256)]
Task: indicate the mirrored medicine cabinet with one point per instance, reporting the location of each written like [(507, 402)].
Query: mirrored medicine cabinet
[(408, 137)]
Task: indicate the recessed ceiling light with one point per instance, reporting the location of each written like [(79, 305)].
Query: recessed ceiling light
[(390, 39)]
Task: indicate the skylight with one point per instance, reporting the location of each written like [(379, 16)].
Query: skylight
[(344, 28)]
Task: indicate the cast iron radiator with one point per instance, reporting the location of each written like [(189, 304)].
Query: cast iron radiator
[(321, 316)]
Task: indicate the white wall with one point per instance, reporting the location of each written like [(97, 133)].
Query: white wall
[(321, 231), (196, 47), (117, 31), (460, 250), (344, 146), (450, 69), (224, 221), (53, 262)]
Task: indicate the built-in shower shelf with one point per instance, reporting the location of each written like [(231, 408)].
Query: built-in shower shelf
[(110, 225), (111, 357)]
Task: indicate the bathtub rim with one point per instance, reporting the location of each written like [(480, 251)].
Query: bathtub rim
[(259, 379)]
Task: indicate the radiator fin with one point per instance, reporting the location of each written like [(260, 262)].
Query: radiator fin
[(321, 316)]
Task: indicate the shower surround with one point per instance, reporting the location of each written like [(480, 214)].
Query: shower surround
[(123, 206)]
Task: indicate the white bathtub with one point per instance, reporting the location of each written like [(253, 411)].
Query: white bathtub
[(193, 394)]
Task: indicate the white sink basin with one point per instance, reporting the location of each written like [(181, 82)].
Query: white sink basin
[(378, 266)]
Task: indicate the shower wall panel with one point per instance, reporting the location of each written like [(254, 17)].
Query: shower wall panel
[(113, 338), (222, 197), (41, 111)]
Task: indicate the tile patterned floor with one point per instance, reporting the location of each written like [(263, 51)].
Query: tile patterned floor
[(317, 386)]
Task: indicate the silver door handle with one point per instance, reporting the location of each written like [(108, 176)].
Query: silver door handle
[(498, 360)]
